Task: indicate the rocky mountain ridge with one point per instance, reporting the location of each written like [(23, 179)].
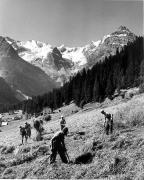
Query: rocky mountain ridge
[(62, 62), (33, 67)]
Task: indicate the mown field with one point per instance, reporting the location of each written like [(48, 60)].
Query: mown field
[(93, 154)]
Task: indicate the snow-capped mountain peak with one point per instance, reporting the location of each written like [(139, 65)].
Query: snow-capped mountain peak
[(62, 62), (96, 43), (75, 55), (105, 37), (34, 49)]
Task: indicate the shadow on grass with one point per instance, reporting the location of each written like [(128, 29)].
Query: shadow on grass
[(84, 158)]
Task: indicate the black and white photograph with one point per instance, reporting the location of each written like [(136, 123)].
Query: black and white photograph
[(72, 89)]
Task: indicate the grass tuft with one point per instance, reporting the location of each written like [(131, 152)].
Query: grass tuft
[(7, 149)]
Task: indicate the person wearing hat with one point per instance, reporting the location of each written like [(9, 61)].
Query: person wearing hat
[(58, 146), (62, 122)]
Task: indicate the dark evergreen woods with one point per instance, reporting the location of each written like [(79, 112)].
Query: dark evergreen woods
[(124, 70)]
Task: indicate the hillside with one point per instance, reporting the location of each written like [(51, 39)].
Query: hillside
[(122, 71), (117, 156), (6, 93)]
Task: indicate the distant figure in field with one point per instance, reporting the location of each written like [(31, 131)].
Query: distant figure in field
[(28, 129), (62, 122), (108, 124), (38, 125), (23, 133), (58, 146)]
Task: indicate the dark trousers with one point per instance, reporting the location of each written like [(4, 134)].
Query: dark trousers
[(24, 136), (107, 128), (29, 133), (61, 152), (111, 128)]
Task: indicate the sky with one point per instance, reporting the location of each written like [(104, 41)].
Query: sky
[(68, 22)]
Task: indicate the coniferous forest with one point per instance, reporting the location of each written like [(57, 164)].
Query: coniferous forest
[(121, 71)]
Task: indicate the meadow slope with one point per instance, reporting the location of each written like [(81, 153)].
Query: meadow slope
[(94, 155)]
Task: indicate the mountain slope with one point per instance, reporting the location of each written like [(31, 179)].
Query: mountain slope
[(108, 45), (21, 75), (62, 62), (7, 96), (116, 156)]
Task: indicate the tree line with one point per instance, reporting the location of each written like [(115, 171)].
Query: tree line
[(123, 70)]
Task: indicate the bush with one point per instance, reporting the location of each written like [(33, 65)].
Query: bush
[(131, 95), (39, 137), (47, 118)]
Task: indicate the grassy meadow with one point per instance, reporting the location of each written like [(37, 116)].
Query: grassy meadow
[(93, 154)]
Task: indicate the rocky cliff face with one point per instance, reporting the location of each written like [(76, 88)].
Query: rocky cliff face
[(109, 45)]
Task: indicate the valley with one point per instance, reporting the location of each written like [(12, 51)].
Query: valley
[(71, 89)]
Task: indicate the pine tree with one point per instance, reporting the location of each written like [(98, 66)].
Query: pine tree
[(96, 90)]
